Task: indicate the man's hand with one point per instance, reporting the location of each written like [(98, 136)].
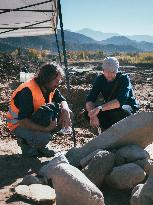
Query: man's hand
[(94, 112), (65, 117), (51, 126), (94, 121)]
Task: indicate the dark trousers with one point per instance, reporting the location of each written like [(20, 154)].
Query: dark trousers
[(110, 117)]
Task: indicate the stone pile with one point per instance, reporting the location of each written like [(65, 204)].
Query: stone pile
[(120, 169), (116, 157), (135, 129), (71, 185)]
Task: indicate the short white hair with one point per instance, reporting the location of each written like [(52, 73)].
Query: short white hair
[(111, 64)]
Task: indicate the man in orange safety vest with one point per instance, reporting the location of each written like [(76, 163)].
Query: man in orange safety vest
[(26, 100)]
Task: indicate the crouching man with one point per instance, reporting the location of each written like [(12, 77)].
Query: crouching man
[(118, 94), (26, 100)]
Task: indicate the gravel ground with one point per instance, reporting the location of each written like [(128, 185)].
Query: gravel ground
[(13, 167)]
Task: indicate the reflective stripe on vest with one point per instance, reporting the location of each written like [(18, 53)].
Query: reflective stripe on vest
[(13, 121), (14, 115)]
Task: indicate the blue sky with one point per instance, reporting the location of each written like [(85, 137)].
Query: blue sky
[(128, 17)]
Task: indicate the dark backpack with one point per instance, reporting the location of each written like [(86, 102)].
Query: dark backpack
[(45, 113)]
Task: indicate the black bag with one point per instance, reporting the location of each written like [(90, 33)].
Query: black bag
[(45, 113)]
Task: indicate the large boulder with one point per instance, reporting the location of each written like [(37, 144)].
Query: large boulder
[(71, 185), (99, 166), (130, 153), (125, 176), (87, 159), (146, 164), (143, 194), (135, 129)]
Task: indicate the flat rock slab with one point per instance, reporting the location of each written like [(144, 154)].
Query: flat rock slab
[(135, 129), (36, 192)]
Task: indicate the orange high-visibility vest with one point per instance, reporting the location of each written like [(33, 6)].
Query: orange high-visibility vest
[(38, 100)]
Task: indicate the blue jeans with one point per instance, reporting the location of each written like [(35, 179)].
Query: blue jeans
[(32, 138)]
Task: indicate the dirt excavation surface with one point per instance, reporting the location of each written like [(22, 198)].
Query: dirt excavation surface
[(13, 167)]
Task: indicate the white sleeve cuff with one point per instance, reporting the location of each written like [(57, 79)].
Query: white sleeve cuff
[(100, 107)]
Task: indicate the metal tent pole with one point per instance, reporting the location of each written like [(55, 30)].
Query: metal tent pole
[(65, 63), (64, 49), (59, 54)]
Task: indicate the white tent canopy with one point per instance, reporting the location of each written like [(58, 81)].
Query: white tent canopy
[(27, 17)]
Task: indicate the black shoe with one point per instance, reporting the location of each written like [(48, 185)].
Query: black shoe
[(27, 150), (30, 152), (45, 152)]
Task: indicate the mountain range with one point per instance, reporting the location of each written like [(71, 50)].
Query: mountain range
[(77, 41), (99, 36)]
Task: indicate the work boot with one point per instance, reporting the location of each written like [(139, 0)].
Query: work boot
[(45, 152), (27, 150), (30, 152)]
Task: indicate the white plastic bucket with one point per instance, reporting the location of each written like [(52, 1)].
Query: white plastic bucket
[(25, 76)]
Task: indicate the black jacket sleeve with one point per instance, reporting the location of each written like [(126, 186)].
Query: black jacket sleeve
[(58, 97), (24, 101)]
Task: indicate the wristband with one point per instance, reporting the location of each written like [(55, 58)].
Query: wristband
[(100, 107)]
